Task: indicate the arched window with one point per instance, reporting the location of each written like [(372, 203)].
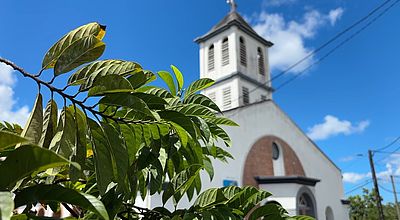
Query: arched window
[(260, 58), (275, 151), (211, 58), (329, 213), (243, 56), (305, 204), (225, 52)]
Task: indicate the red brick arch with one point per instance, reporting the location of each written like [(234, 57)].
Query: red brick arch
[(259, 160)]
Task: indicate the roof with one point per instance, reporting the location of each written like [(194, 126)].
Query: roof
[(287, 179), (291, 120), (232, 19)]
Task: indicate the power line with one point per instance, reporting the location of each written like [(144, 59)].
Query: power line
[(359, 186), (390, 153), (390, 144), (334, 38), (387, 190), (337, 47)]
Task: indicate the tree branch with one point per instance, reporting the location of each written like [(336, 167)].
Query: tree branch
[(69, 97)]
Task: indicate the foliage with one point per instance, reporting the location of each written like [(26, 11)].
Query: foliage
[(132, 140), (363, 207)]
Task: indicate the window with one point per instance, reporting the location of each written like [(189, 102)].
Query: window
[(243, 56), (260, 58), (225, 52), (245, 93), (226, 94), (275, 151), (211, 95), (329, 213), (211, 58), (306, 206)]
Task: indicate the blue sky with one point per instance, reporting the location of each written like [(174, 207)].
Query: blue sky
[(347, 104)]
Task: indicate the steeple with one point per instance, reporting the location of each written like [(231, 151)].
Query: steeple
[(236, 57)]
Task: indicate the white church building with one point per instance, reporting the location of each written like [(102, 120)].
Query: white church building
[(270, 150)]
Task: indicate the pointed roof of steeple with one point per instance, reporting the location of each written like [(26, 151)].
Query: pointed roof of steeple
[(233, 18)]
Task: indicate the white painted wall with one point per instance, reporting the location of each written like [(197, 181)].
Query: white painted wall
[(234, 66)]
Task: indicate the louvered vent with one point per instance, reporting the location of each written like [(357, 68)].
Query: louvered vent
[(260, 57), (226, 93), (243, 56), (225, 52), (245, 93), (211, 58)]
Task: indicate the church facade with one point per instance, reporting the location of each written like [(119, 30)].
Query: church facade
[(270, 150)]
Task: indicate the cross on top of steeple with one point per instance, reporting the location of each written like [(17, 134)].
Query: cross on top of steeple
[(233, 5)]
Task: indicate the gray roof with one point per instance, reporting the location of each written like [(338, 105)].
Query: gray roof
[(233, 18)]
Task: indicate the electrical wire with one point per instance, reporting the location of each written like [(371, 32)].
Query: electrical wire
[(387, 146), (387, 190), (336, 47), (359, 186), (331, 40)]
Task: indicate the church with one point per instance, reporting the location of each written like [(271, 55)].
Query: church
[(270, 150)]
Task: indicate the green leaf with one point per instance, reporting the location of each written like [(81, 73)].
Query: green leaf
[(102, 157), (269, 210), (181, 132), (210, 197), (219, 132), (178, 76), (198, 85), (80, 141), (110, 84), (220, 121), (209, 167), (194, 110), (160, 92), (49, 124), (118, 151), (167, 77), (8, 139), (141, 78), (153, 101), (201, 100), (33, 128), (87, 74), (132, 142), (64, 141), (82, 51), (57, 49), (127, 100), (6, 205), (39, 193), (179, 119), (27, 159)]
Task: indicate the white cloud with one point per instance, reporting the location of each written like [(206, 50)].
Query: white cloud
[(333, 126), (354, 177), (289, 36), (392, 165), (335, 15), (7, 100)]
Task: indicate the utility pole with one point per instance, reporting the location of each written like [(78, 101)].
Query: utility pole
[(395, 197), (378, 196)]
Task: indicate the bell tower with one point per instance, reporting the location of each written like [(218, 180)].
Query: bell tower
[(236, 57)]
